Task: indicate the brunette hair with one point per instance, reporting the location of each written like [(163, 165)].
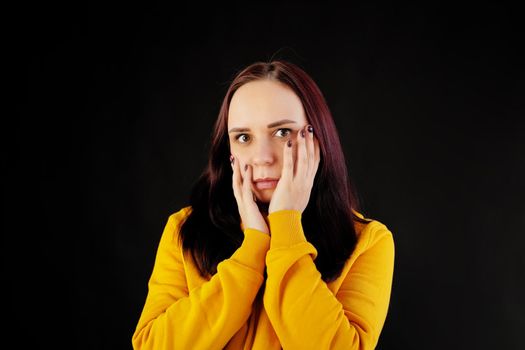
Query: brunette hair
[(212, 232)]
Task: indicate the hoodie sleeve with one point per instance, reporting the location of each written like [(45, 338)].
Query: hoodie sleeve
[(304, 312), (207, 316)]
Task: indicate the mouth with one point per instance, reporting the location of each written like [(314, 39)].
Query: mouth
[(265, 184)]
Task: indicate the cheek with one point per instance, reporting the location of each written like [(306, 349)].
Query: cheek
[(235, 150), (241, 157), (238, 153), (244, 154)]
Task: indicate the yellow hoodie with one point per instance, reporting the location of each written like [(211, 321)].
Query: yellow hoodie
[(298, 310)]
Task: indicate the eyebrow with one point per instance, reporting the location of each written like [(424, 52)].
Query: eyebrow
[(271, 125)]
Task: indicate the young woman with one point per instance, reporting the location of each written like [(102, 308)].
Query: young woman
[(272, 251)]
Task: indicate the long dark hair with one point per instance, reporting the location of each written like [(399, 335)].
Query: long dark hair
[(212, 232)]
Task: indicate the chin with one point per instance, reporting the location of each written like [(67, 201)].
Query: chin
[(264, 196)]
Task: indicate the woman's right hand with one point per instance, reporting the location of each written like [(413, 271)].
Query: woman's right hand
[(242, 190)]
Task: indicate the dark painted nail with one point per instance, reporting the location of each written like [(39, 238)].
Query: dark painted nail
[(245, 167), (302, 133), (310, 128), (289, 143)]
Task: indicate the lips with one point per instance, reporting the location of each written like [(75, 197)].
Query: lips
[(266, 183)]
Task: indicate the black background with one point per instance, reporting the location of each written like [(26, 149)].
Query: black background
[(114, 106)]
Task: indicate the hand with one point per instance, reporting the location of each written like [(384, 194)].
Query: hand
[(243, 191), (295, 185)]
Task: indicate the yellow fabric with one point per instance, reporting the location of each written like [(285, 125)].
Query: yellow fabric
[(295, 308)]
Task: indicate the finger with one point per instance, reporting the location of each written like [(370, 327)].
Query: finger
[(287, 172), (302, 155), (247, 193), (236, 180), (310, 146), (316, 161), (317, 156)]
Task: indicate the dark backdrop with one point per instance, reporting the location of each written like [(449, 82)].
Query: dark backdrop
[(114, 106)]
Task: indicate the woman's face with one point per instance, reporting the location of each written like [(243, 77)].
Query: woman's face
[(263, 115)]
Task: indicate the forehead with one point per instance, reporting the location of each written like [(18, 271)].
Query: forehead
[(261, 102)]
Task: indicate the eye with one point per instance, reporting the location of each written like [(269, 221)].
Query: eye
[(238, 138), (286, 131)]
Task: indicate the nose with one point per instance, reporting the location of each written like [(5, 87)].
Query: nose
[(263, 153)]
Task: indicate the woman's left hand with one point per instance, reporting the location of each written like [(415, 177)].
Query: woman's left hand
[(295, 185)]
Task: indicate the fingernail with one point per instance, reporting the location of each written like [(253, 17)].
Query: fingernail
[(245, 167), (302, 133), (310, 128), (232, 159), (289, 143)]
